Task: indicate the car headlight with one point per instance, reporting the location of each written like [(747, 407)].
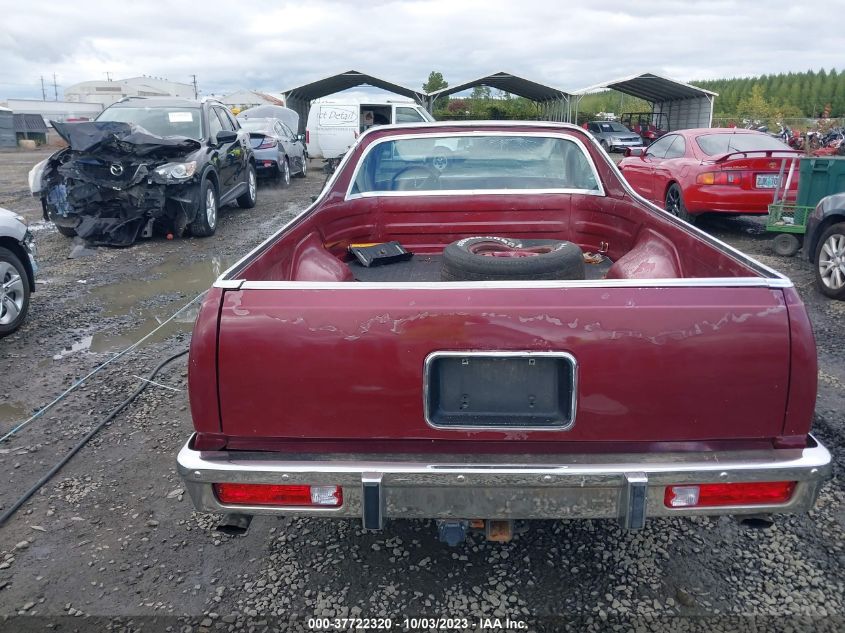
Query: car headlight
[(177, 171), (35, 175)]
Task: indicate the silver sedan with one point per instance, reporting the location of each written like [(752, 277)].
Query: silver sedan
[(613, 136), (279, 152)]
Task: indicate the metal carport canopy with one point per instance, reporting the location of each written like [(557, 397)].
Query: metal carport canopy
[(555, 102), (686, 106), (300, 98)]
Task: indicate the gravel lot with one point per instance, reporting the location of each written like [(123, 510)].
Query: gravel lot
[(112, 543)]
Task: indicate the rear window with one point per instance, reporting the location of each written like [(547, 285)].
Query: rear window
[(715, 144), (469, 163)]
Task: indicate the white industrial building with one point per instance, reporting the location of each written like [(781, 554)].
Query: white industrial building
[(109, 92), (56, 110)]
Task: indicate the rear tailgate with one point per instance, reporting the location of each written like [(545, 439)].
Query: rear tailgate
[(651, 363)]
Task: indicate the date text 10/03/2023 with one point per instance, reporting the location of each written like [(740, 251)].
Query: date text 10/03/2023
[(455, 624)]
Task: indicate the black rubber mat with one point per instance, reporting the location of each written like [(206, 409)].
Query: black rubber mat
[(427, 268)]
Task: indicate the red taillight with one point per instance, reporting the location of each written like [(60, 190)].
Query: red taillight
[(267, 143), (719, 178), (739, 494), (307, 136), (277, 495)]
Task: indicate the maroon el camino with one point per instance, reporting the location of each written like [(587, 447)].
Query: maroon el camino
[(712, 170), (478, 323)]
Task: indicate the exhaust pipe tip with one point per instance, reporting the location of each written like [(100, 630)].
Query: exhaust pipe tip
[(757, 521), (235, 524)]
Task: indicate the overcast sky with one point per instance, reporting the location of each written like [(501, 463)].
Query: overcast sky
[(269, 45)]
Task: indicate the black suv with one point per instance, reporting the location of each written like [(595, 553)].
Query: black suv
[(144, 165)]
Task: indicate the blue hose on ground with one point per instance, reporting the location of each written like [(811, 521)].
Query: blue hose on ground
[(78, 446), (97, 369)]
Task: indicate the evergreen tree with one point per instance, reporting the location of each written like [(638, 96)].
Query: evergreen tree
[(480, 93), (754, 106), (435, 82)]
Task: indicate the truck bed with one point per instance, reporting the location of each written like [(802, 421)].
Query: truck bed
[(675, 338)]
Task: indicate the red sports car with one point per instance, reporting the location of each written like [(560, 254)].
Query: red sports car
[(706, 170)]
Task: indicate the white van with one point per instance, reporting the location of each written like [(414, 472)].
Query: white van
[(333, 125)]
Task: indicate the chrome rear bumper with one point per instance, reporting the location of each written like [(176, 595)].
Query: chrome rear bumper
[(627, 487)]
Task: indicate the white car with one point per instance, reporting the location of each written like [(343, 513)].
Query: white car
[(17, 270)]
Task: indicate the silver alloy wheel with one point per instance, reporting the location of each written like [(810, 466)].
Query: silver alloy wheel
[(251, 184), (304, 165), (211, 206), (11, 293), (832, 262), (286, 172)]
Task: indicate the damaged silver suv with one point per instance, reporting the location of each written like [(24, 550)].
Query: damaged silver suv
[(146, 165)]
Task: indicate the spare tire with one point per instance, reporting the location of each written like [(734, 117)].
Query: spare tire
[(500, 258)]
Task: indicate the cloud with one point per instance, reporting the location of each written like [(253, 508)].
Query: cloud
[(259, 45)]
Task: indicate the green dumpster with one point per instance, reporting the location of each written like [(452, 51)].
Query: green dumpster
[(820, 177)]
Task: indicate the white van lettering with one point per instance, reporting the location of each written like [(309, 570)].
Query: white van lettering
[(337, 115)]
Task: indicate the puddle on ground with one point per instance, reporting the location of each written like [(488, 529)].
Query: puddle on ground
[(107, 343), (141, 297), (81, 345), (102, 343), (164, 279), (11, 413)]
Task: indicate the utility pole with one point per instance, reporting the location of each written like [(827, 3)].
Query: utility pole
[(55, 89), (43, 92), (196, 92), (108, 75)]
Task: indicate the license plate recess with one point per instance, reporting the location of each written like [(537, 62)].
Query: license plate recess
[(500, 390)]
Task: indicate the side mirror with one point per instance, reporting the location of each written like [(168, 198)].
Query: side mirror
[(635, 151), (226, 136)]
